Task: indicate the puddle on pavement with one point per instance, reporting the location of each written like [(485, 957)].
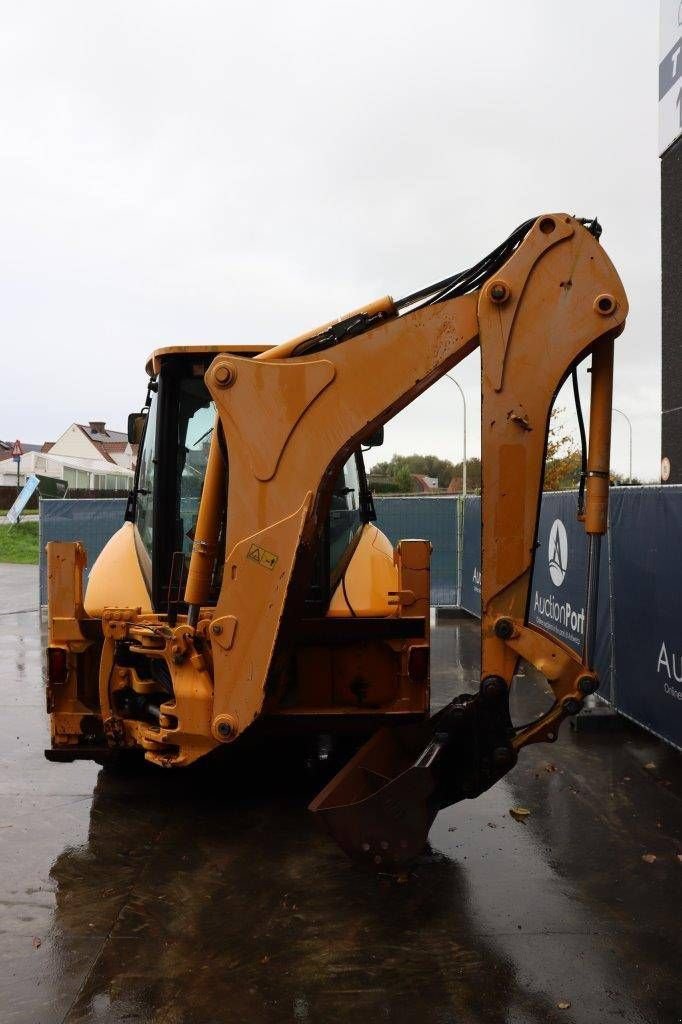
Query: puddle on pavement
[(211, 896)]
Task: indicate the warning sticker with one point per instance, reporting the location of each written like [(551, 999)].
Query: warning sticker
[(265, 558)]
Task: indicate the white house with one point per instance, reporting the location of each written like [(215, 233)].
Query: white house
[(87, 457)]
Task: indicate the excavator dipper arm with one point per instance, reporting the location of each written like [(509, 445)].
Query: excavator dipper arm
[(291, 416)]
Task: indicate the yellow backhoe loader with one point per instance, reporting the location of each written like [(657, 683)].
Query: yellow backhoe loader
[(249, 590)]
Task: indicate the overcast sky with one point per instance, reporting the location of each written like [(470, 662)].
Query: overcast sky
[(227, 172)]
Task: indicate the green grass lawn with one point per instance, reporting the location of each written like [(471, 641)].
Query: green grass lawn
[(19, 543)]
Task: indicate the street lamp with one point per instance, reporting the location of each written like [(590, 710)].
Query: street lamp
[(464, 435), (627, 420)]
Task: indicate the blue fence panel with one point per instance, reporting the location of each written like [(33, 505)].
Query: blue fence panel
[(434, 519), (558, 590), (646, 526), (559, 586), (638, 653), (639, 640), (471, 555), (92, 521)]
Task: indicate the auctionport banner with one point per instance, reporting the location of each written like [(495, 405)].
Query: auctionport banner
[(638, 652), (646, 554), (558, 589), (557, 600)]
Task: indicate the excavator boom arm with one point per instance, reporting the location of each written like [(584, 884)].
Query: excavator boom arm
[(291, 416)]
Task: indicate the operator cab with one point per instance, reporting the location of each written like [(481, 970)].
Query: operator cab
[(174, 431)]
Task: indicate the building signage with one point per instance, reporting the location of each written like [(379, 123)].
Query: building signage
[(670, 74)]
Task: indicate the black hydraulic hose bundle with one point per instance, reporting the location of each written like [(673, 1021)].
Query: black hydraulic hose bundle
[(462, 283), (468, 280)]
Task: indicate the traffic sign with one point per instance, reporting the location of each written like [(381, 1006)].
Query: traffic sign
[(16, 451), (670, 74)]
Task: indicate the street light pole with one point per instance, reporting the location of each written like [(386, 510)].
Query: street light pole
[(460, 504), (627, 420), (464, 435)]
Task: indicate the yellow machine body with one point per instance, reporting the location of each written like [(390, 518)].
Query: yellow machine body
[(232, 630)]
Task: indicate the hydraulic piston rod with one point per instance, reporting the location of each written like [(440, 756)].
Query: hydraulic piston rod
[(597, 487), (205, 540)]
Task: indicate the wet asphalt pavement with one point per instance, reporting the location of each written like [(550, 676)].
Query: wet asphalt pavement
[(208, 896)]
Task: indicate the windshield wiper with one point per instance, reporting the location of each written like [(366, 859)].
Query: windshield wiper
[(203, 436)]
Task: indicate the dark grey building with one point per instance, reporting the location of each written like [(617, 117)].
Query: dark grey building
[(671, 362), (670, 120)]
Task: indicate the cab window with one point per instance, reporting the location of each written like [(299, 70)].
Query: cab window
[(345, 516), (144, 503), (195, 428)]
